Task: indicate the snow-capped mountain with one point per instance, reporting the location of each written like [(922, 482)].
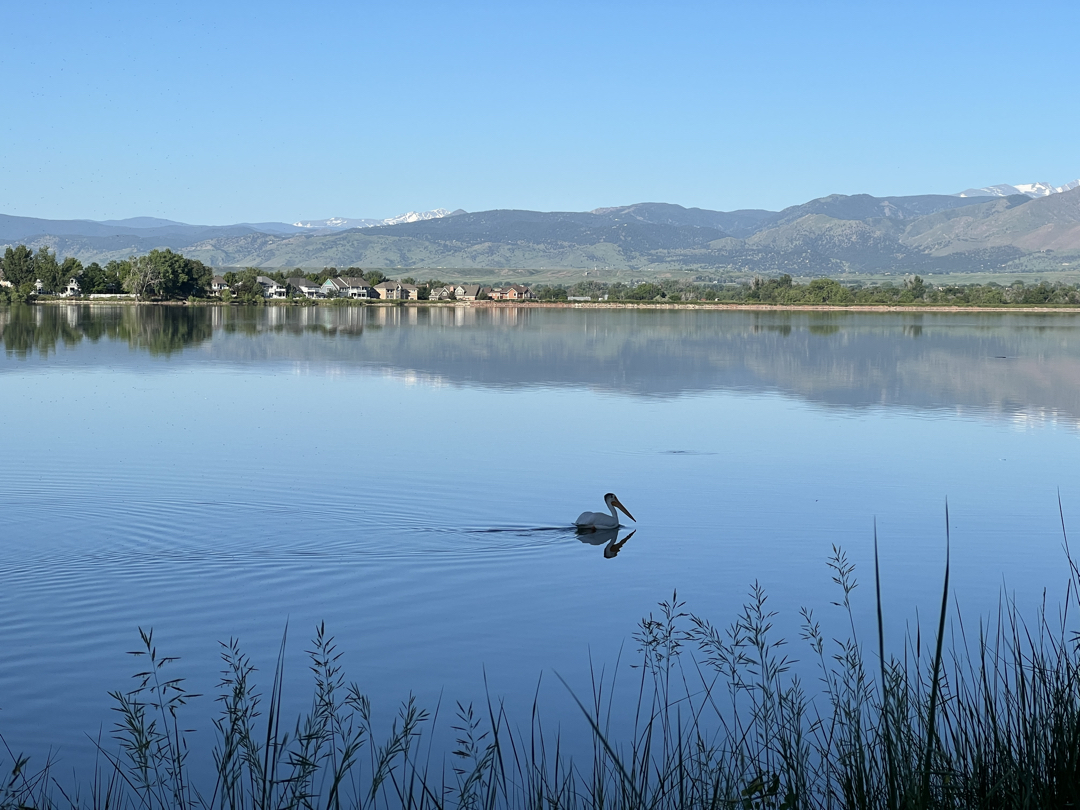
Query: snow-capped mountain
[(341, 223), (1027, 189)]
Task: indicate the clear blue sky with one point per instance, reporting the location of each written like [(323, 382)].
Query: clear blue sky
[(225, 112)]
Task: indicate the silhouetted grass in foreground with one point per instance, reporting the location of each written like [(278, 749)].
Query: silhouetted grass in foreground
[(990, 719)]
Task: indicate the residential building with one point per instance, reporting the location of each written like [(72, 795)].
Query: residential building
[(467, 292), (271, 288), (304, 286), (513, 292), (334, 288), (441, 293), (356, 287), (392, 290)]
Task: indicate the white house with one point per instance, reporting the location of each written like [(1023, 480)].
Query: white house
[(356, 287), (306, 287), (271, 288)]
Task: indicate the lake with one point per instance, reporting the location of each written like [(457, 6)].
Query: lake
[(409, 475)]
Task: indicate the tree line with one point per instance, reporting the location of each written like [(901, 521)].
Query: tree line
[(158, 275), (163, 275), (784, 289)]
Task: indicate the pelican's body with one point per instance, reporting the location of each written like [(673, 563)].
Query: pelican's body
[(602, 520)]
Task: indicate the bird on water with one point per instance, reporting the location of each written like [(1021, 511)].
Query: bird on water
[(600, 520)]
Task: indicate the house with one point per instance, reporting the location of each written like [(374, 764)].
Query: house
[(410, 292), (333, 288), (271, 288), (518, 292), (72, 288), (441, 293), (218, 285), (356, 287), (304, 286), (514, 292), (467, 292), (392, 290)]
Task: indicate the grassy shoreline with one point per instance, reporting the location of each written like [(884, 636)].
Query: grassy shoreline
[(693, 305)]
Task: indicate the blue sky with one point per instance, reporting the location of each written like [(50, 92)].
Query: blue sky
[(225, 112)]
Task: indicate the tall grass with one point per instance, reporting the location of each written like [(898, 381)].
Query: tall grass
[(980, 717)]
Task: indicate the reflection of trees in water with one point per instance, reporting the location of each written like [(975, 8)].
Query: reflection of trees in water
[(1010, 364), (326, 321), (24, 329), (160, 330), (164, 330)]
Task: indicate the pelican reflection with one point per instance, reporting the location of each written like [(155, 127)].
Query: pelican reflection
[(600, 537)]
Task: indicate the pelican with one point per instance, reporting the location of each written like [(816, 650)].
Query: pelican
[(599, 520)]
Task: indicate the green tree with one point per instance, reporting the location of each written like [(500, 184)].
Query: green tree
[(645, 292), (98, 280), (18, 265), (115, 272), (47, 270), (164, 274), (374, 277), (71, 269), (827, 291), (143, 278), (550, 292), (248, 289)]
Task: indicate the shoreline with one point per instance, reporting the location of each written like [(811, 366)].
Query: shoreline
[(682, 305)]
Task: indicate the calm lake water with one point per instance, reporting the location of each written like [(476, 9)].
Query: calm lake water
[(409, 476)]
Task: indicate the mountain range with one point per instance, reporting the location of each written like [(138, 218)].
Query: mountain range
[(988, 230), (1027, 189)]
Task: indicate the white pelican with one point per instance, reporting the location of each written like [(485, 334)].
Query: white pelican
[(599, 520)]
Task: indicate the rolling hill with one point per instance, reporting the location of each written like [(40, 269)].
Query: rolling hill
[(827, 236)]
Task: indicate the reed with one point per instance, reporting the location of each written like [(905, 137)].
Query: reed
[(981, 717)]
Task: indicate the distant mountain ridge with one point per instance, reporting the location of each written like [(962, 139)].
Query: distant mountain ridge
[(831, 235), (1027, 189), (341, 223)]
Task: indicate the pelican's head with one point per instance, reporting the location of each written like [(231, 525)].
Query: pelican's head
[(611, 500)]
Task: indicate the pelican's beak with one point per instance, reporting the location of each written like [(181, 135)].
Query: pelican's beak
[(615, 502)]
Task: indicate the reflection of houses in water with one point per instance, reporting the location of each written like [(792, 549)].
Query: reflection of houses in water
[(275, 317), (509, 316), (349, 320)]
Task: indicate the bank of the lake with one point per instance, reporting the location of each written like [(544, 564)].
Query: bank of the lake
[(655, 305)]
